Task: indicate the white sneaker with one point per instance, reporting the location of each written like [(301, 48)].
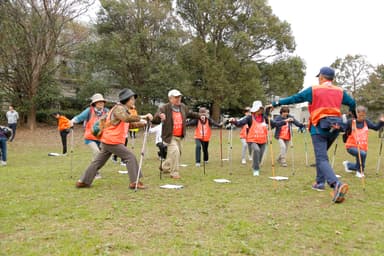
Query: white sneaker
[(250, 158), (197, 164), (256, 172), (243, 161), (98, 176), (3, 163), (345, 163), (359, 174)]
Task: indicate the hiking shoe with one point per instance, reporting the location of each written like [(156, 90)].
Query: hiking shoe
[(256, 172), (140, 185), (359, 174), (243, 161), (339, 192), (197, 164), (80, 184), (345, 163), (318, 186)]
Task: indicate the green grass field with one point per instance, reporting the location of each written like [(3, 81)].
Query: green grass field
[(42, 213)]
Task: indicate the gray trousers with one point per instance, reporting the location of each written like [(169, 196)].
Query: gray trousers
[(258, 151), (101, 158)]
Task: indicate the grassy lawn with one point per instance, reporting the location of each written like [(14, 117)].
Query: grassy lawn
[(42, 213)]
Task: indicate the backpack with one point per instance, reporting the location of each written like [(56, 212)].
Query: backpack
[(98, 127), (6, 131)]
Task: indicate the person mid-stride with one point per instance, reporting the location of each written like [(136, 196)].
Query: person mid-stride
[(325, 100)]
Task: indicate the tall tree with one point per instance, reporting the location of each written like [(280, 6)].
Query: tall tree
[(33, 33), (352, 72), (138, 45), (231, 38)]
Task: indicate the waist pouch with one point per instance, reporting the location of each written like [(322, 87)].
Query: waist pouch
[(329, 122)]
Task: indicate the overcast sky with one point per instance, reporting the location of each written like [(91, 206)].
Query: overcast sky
[(327, 29)]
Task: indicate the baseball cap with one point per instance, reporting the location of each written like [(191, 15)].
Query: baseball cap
[(256, 106), (327, 71), (174, 93)]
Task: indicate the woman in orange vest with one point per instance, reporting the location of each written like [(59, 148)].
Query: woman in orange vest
[(243, 138), (357, 141), (202, 134), (257, 133), (113, 138), (283, 124), (63, 125)]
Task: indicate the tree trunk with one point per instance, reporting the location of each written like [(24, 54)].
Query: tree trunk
[(31, 118), (216, 111)]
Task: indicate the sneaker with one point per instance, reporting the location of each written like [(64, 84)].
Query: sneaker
[(197, 164), (80, 184), (256, 172), (98, 176), (140, 185), (122, 164), (339, 192), (284, 165), (3, 163), (345, 163), (206, 162), (359, 174), (243, 161), (250, 158), (318, 186), (175, 176)]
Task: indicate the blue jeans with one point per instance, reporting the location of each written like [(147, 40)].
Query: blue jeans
[(13, 128), (201, 144), (258, 151), (3, 148), (324, 171), (355, 153)]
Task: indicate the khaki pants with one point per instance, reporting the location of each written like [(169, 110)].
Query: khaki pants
[(172, 162), (283, 150)]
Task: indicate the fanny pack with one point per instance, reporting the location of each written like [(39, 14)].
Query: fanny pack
[(332, 123)]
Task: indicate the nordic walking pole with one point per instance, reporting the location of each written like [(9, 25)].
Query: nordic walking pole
[(359, 154), (271, 149), (142, 152), (292, 153), (71, 152), (306, 150), (202, 145), (379, 156), (221, 146), (230, 150)]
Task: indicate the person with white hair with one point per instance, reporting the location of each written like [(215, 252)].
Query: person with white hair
[(173, 116)]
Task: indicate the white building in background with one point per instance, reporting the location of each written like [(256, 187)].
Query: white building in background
[(298, 111)]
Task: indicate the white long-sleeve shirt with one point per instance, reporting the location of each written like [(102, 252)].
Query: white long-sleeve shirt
[(157, 130)]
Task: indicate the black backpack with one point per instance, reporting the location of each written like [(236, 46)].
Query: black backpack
[(6, 131)]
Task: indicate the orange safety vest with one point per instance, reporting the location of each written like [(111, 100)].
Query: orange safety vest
[(63, 123), (285, 133), (243, 132), (133, 112), (177, 124), (200, 134), (114, 134), (358, 137), (92, 119), (258, 132), (326, 101)]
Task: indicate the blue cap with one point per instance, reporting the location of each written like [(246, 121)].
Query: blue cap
[(327, 71)]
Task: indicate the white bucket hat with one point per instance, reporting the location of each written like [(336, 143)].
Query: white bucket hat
[(97, 97), (256, 106), (174, 93)]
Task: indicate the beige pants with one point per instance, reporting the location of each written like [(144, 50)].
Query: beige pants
[(172, 162)]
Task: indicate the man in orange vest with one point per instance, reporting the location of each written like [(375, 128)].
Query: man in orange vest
[(113, 138), (202, 134), (64, 126), (357, 141), (325, 120)]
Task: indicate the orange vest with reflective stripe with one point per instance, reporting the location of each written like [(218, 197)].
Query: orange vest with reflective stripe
[(326, 101), (258, 132), (200, 134), (285, 133), (243, 132), (358, 137), (88, 127), (114, 134)]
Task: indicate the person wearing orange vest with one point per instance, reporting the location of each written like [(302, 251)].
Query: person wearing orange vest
[(202, 134), (325, 121), (64, 126), (357, 140), (89, 116), (243, 138), (257, 133), (173, 115), (283, 124), (113, 138)]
